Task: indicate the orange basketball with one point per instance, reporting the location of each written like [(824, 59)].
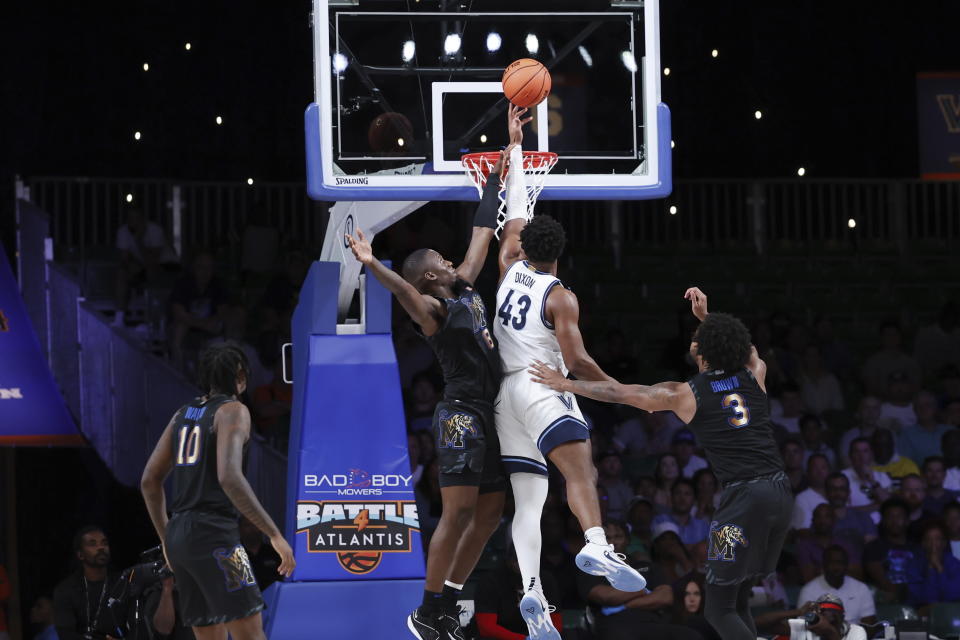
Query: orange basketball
[(526, 82)]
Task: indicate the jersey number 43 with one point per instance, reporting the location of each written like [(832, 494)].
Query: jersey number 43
[(505, 312), (741, 414)]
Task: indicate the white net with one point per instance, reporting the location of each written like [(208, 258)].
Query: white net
[(536, 165)]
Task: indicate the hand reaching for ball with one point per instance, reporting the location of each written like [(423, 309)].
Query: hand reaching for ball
[(515, 122)]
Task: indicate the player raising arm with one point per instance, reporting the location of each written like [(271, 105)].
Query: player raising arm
[(726, 407), (450, 314)]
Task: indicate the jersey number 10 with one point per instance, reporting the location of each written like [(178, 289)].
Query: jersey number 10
[(188, 447), (741, 414)]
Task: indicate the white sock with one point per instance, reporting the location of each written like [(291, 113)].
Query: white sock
[(516, 186), (529, 494), (596, 536), (458, 587)]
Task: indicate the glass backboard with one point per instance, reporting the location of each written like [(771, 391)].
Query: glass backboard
[(404, 88)]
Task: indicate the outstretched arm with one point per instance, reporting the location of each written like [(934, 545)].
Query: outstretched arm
[(516, 193), (484, 223), (564, 310), (663, 396), (423, 310)]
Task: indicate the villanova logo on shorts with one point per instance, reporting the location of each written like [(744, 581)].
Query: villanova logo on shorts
[(235, 564), (453, 429), (724, 540)]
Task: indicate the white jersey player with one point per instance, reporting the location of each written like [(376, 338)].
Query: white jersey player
[(537, 320)]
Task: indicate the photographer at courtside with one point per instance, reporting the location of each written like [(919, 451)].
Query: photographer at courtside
[(823, 618)]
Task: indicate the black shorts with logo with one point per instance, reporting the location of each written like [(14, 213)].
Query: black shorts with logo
[(748, 529), (213, 574), (468, 450)]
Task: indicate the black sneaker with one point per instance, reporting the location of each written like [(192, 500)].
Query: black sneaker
[(426, 627), (450, 624)]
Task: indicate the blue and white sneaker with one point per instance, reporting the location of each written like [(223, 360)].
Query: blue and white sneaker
[(536, 613), (601, 560)]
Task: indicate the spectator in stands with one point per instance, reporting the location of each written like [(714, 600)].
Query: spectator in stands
[(666, 473), (272, 404), (198, 303), (692, 529), (498, 600), (933, 574), (950, 446), (951, 412), (921, 440), (707, 493), (610, 477), (424, 395), (428, 448), (886, 457), (830, 623), (868, 418), (815, 494), (630, 433), (913, 492), (683, 447), (856, 596), (896, 411), (792, 453), (837, 356), (938, 344), (646, 487), (144, 252), (934, 473), (640, 520), (819, 388), (79, 601), (660, 430), (891, 358), (868, 488), (688, 607), (812, 545), (951, 521), (850, 522), (556, 559), (670, 555), (622, 615), (42, 617), (235, 333), (791, 357), (762, 333), (811, 433), (790, 407), (885, 560)]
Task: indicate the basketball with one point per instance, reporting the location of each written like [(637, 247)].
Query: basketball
[(526, 82), (390, 132)]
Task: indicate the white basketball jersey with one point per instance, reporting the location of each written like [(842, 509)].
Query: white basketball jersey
[(523, 332)]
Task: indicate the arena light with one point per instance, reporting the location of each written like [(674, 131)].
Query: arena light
[(801, 172), (673, 209), (493, 42), (219, 120), (399, 142), (188, 46), (136, 135), (852, 223), (532, 43), (146, 66), (629, 61), (339, 62), (587, 58), (666, 71), (451, 43), (757, 114), (714, 53), (409, 50), (483, 138), (672, 144), (250, 181), (129, 197)]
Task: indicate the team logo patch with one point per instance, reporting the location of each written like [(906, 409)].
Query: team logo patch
[(358, 532), (567, 402), (454, 428), (724, 540), (235, 565)]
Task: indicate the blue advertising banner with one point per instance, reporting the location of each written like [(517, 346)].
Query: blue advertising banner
[(32, 411), (938, 119)]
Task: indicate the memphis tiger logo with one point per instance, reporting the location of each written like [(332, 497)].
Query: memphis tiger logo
[(236, 568), (358, 532), (454, 428), (724, 540)]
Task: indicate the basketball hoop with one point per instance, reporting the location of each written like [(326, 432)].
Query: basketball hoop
[(536, 166)]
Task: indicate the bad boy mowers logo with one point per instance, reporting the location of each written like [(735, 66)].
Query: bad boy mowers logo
[(724, 540), (358, 532)]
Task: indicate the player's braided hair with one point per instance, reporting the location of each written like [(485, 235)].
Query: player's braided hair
[(724, 342), (218, 369), (543, 239)]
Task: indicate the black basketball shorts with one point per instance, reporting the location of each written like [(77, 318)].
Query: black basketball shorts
[(468, 450), (213, 574), (748, 529)]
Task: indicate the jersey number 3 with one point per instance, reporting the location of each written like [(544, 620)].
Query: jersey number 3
[(188, 447), (506, 311), (741, 414)]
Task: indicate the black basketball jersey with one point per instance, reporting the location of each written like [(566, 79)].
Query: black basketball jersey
[(732, 424), (195, 482), (465, 348)]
